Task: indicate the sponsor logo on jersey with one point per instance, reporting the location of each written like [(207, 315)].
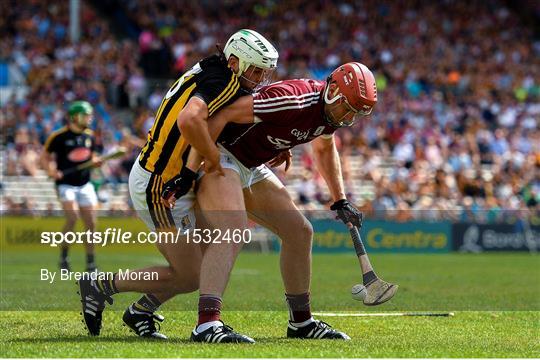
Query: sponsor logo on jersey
[(79, 154), (300, 135), (279, 144), (318, 131)]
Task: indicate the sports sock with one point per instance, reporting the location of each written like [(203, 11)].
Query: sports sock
[(106, 286), (148, 303), (90, 260), (303, 323), (209, 308), (207, 325), (299, 308), (64, 253)]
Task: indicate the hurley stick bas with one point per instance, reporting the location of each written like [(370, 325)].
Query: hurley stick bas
[(378, 290)]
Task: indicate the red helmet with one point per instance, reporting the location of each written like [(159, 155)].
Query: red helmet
[(356, 89)]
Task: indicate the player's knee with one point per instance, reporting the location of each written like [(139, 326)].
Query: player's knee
[(298, 235), (71, 219), (186, 283), (183, 280), (307, 231), (190, 285)]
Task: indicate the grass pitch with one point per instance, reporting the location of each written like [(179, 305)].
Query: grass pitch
[(495, 298)]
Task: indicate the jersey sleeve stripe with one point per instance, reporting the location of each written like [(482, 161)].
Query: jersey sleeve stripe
[(228, 96), (231, 83), (290, 107), (225, 99), (292, 101), (53, 136), (257, 100)]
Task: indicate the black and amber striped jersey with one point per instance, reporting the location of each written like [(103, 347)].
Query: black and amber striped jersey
[(71, 148), (211, 80)]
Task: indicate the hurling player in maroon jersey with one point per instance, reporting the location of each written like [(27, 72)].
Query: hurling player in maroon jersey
[(260, 127)]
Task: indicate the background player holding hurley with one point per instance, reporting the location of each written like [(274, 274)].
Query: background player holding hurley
[(278, 117), (66, 148), (247, 61)]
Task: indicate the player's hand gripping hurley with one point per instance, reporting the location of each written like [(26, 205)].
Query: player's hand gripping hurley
[(378, 290), (121, 151)]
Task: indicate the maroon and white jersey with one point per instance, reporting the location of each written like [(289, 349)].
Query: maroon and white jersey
[(286, 113)]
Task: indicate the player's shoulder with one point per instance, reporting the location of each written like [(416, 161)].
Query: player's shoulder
[(88, 132), (63, 130), (293, 87), (215, 67), (54, 136)]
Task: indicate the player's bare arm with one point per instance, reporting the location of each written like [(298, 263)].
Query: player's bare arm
[(192, 124), (97, 160), (202, 134), (48, 163), (329, 165), (241, 112)]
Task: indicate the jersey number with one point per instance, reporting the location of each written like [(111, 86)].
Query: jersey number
[(279, 143), (194, 70)]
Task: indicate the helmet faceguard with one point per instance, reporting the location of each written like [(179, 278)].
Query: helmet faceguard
[(257, 57), (257, 77), (350, 93)]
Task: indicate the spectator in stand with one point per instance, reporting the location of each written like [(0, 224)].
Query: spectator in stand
[(458, 94)]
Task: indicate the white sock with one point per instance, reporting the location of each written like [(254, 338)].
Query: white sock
[(208, 325), (303, 323)]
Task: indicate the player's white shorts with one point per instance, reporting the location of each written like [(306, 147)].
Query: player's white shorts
[(248, 177), (145, 191), (84, 195)]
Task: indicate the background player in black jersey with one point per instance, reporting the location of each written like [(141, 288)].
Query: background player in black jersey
[(247, 62), (64, 149)]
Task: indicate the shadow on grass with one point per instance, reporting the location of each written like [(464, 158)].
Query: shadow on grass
[(111, 339), (101, 339)]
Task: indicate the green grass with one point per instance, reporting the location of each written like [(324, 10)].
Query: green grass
[(468, 334), (495, 297)]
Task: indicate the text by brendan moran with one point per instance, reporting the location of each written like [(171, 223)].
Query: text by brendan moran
[(126, 274)]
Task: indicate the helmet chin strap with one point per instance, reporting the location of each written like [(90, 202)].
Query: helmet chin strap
[(329, 101), (326, 99)]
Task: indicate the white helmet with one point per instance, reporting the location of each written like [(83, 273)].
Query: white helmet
[(251, 48)]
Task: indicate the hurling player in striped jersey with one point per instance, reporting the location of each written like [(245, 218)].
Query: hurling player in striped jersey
[(64, 149), (257, 129), (246, 62)]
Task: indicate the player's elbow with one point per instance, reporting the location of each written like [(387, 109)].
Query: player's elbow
[(192, 117), (321, 151), (190, 125), (322, 147), (185, 123)]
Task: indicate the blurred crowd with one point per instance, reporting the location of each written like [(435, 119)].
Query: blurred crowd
[(454, 135)]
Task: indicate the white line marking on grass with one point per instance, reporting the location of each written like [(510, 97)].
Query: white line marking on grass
[(342, 314)]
